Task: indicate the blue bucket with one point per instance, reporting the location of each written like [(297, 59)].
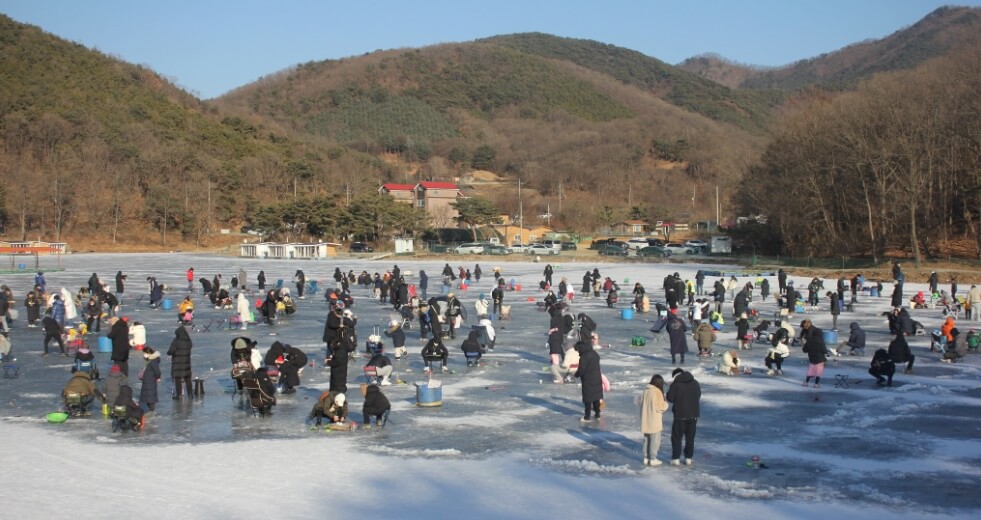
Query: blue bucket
[(444, 289), (426, 396), (830, 338), (105, 344), (627, 314), (167, 304), (874, 292)]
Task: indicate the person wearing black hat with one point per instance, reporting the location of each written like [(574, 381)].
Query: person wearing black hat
[(591, 376)]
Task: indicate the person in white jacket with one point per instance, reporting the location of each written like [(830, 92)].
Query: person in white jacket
[(730, 363), (70, 311), (137, 334), (567, 369), (491, 333), (243, 309), (481, 306)]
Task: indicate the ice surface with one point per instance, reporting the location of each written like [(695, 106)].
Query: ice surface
[(506, 442)]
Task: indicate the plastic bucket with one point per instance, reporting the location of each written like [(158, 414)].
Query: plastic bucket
[(830, 338), (874, 291), (426, 396), (167, 304), (517, 287), (105, 344), (627, 314), (445, 289)]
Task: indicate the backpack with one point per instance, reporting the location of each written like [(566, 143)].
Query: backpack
[(241, 368)]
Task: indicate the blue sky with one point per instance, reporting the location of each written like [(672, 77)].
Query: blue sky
[(211, 46)]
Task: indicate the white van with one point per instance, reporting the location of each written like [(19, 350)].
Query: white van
[(553, 244)]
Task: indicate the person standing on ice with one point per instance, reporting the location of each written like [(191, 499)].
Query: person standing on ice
[(684, 395), (815, 348), (591, 377), (652, 408)]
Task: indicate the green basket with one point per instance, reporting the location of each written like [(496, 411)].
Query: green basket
[(57, 417), (638, 341)]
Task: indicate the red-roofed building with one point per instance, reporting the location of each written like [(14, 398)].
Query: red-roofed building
[(400, 192)]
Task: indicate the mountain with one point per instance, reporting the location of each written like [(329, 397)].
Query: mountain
[(942, 31), (93, 147)]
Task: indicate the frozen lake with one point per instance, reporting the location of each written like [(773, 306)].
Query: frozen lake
[(913, 449)]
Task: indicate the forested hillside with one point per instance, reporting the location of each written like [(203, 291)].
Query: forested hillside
[(843, 157)]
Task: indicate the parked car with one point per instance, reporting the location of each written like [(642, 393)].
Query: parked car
[(678, 249), (496, 249), (360, 247), (613, 250), (637, 243), (554, 244), (542, 250), (699, 246), (569, 246), (656, 251), (519, 248), (655, 242), (596, 244), (470, 249)]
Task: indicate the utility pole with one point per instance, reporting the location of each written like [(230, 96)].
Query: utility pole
[(521, 212)]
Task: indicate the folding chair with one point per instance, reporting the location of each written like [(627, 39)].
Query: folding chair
[(312, 287), (473, 358), (371, 374), (10, 370), (207, 328), (260, 403)]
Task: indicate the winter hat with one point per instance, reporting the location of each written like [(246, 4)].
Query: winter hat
[(954, 332), (115, 368), (481, 297), (450, 295), (675, 372), (339, 400)]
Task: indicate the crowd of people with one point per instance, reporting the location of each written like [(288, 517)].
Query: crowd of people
[(692, 309)]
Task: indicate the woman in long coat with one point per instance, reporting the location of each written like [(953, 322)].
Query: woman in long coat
[(180, 361), (677, 331), (592, 379), (151, 376), (652, 408)]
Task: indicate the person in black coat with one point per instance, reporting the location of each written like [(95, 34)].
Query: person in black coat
[(684, 394), (677, 332), (435, 350), (261, 279), (119, 335), (301, 281), (156, 294), (587, 283), (897, 296), (782, 281), (556, 333), (269, 307), (423, 284), (815, 348), (471, 348), (150, 377), (134, 413), (289, 360), (899, 352), (332, 330), (375, 405), (93, 313), (52, 331), (180, 361), (591, 376), (120, 282), (719, 295), (740, 304), (882, 368), (548, 274), (764, 289), (338, 368)]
